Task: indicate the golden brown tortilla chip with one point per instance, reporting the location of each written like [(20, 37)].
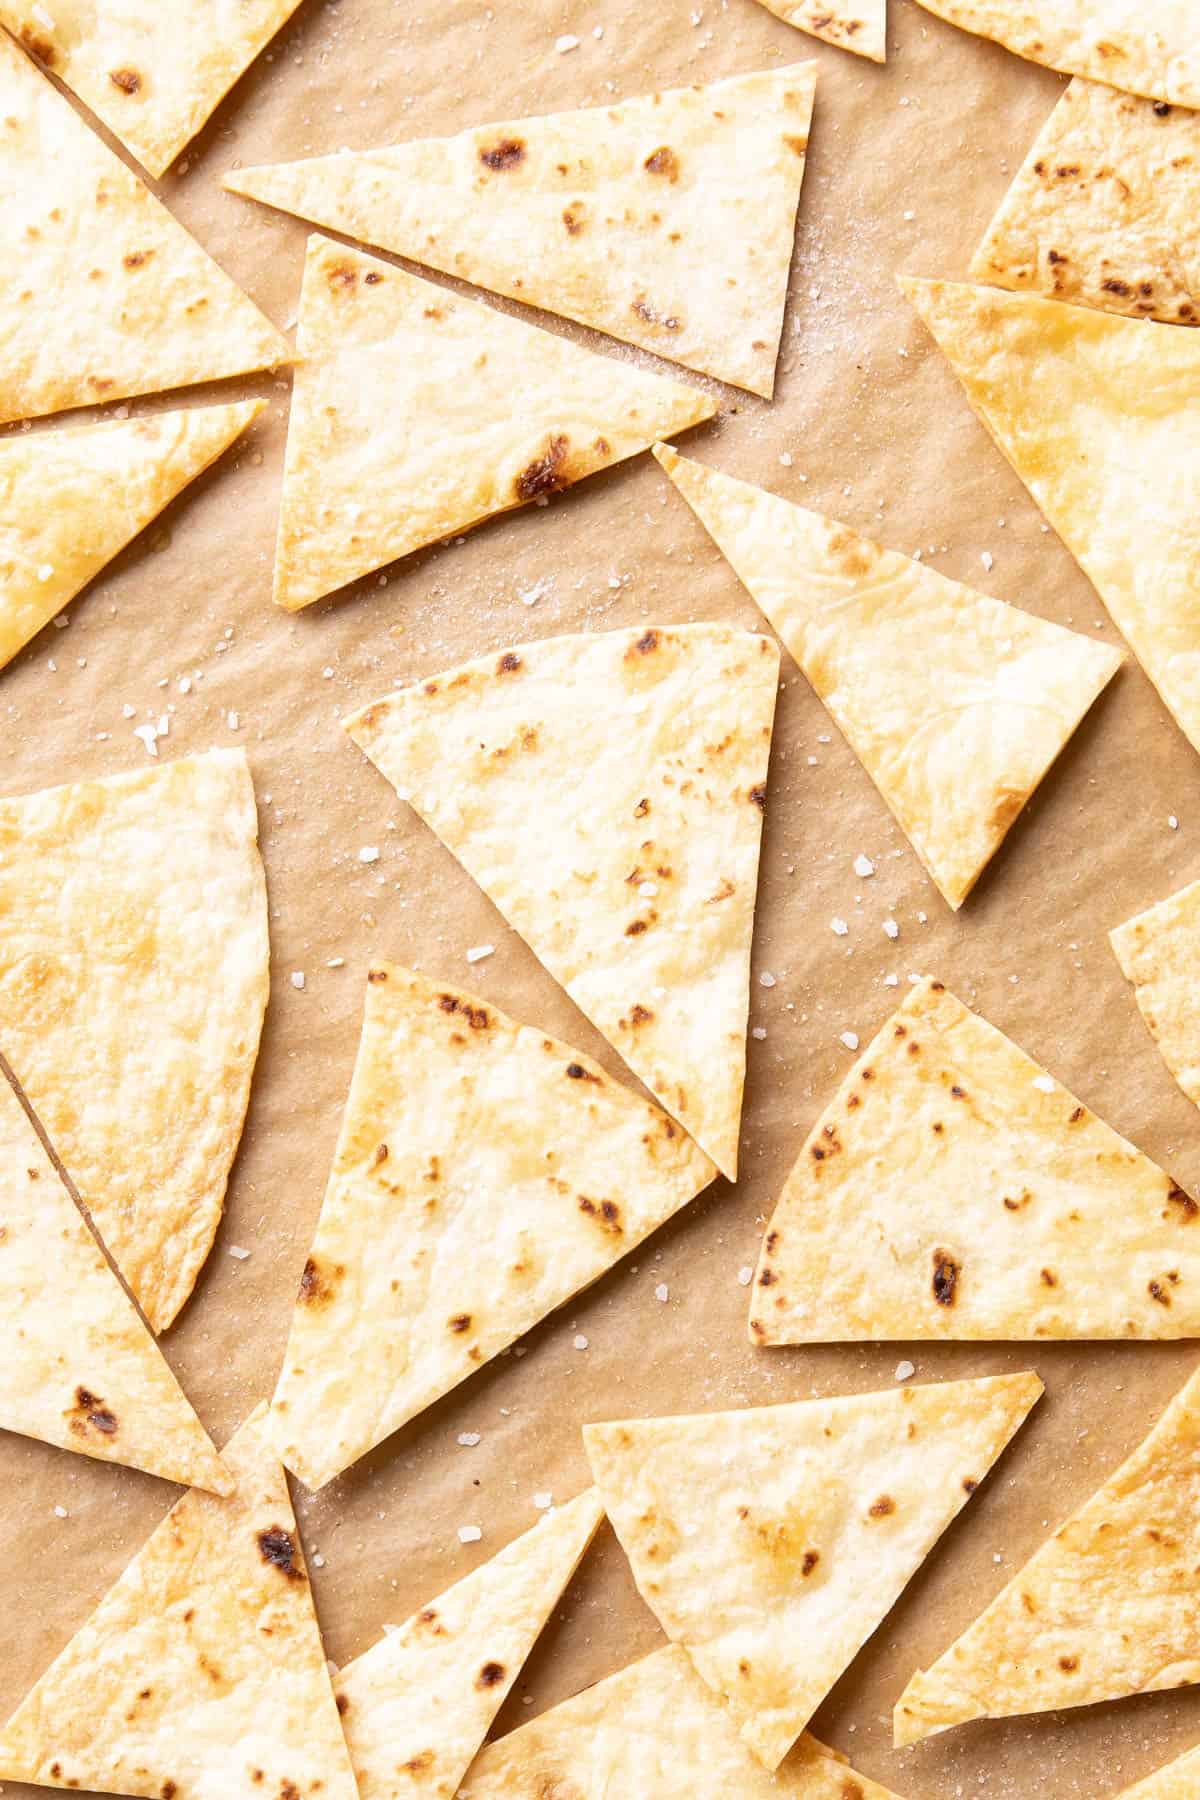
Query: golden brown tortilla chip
[(105, 293), (955, 704), (69, 500), (133, 980), (1159, 952), (484, 1174), (606, 791), (416, 414), (1105, 210), (771, 1541), (416, 1707), (858, 25), (1109, 1606), (954, 1190), (1100, 417), (666, 221), (201, 1672)]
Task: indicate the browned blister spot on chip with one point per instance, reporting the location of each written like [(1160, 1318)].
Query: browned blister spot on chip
[(277, 1547), (577, 1072), (38, 46), (606, 1213), (477, 1017), (505, 153), (662, 161), (460, 1322), (509, 663), (128, 80), (946, 1272), (490, 1676), (882, 1508)]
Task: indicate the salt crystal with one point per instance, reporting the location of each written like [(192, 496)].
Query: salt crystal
[(662, 1291), (904, 1370), (369, 853), (838, 927), (581, 1342), (766, 979), (60, 1512), (468, 1439), (543, 1502), (149, 738), (863, 866), (850, 1039), (758, 1033), (469, 1534), (565, 43), (890, 928), (297, 978), (988, 561), (1173, 822), (477, 952), (236, 1250), (745, 1275), (45, 571)]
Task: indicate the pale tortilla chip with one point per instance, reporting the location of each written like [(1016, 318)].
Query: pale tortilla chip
[(652, 1729), (69, 500), (1159, 952), (606, 791), (201, 1672), (1106, 209), (955, 704), (152, 71), (1144, 46), (1109, 1606), (1179, 1780), (771, 1541), (106, 294), (416, 414), (858, 25), (666, 221), (1100, 417), (133, 980), (417, 1706), (77, 1367), (954, 1190), (484, 1174)]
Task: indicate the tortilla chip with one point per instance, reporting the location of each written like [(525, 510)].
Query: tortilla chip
[(108, 295), (606, 791), (954, 1190), (484, 1174), (416, 414), (69, 500), (652, 1729), (1179, 1780), (133, 980), (201, 1672), (858, 25), (416, 1707), (1105, 210), (1109, 1606), (152, 72), (666, 221), (1149, 48), (955, 704), (1100, 417), (79, 1369), (771, 1541), (1159, 952)]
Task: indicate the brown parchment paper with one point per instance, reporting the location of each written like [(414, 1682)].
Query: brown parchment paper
[(907, 163)]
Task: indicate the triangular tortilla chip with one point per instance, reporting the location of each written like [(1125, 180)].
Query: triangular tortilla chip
[(1100, 417), (606, 791), (201, 1672), (417, 1706), (1148, 48), (1109, 1606), (107, 295), (954, 1190), (133, 980), (69, 500), (1179, 1780), (771, 1541), (652, 1729), (858, 25), (77, 1366), (449, 1227), (416, 414), (1159, 952), (1106, 209), (955, 704), (152, 72), (666, 221)]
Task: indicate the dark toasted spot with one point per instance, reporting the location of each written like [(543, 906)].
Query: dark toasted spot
[(490, 1675), (460, 1322), (662, 161), (128, 80), (477, 1017), (506, 153), (342, 1703), (509, 663), (577, 1072), (546, 474), (758, 794), (1068, 1664), (810, 1561), (945, 1278), (881, 1508), (277, 1547)]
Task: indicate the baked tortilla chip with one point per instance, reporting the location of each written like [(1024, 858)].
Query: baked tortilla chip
[(416, 414), (771, 1541), (606, 791), (1109, 1606), (666, 221), (652, 1729), (1179, 1780), (1159, 952), (152, 72), (858, 25), (77, 1367), (954, 1190), (1100, 417), (955, 704), (107, 295), (417, 1706), (1106, 209), (201, 1672), (484, 1174), (133, 981), (1150, 48), (69, 500)]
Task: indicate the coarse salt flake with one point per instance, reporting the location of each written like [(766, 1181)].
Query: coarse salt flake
[(1173, 822), (369, 853), (469, 1534), (469, 1439), (766, 979), (297, 978), (149, 737), (237, 1252), (60, 1512), (758, 1033), (662, 1291), (581, 1342), (988, 561), (863, 866), (543, 1501), (477, 952), (745, 1275), (904, 1370), (890, 928), (838, 927), (566, 42), (849, 1038), (45, 571)]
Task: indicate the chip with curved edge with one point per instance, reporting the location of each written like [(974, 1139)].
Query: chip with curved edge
[(1159, 953), (858, 25), (1178, 1780)]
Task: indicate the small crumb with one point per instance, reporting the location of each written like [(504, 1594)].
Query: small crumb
[(236, 1251), (581, 1342), (467, 1534), (745, 1275), (863, 866), (369, 853), (469, 1439), (849, 1038), (662, 1291), (477, 952), (297, 978), (904, 1370), (838, 927)]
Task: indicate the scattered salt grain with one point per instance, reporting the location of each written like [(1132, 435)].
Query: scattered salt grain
[(988, 561), (766, 979), (149, 737), (477, 952), (850, 1039), (45, 571), (863, 866), (469, 1439), (318, 1561), (469, 1534), (565, 43), (297, 978), (890, 928), (233, 721), (647, 889), (1173, 822), (62, 621), (369, 853), (60, 1512), (235, 1250), (745, 1275), (543, 1502), (662, 1291), (758, 1032), (838, 927), (581, 1342), (904, 1370)]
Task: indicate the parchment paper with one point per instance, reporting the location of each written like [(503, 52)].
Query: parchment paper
[(906, 166)]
